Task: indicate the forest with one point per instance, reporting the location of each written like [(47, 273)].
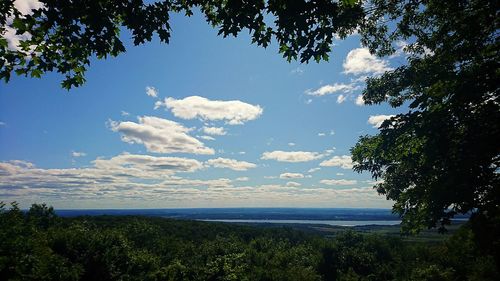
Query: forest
[(38, 245)]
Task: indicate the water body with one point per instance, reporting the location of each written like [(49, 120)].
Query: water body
[(323, 222), (325, 216)]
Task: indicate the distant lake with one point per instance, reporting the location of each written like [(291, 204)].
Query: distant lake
[(326, 222), (326, 216)]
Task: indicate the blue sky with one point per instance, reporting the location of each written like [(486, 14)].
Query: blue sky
[(201, 122)]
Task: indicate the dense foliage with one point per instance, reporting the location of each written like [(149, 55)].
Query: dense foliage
[(63, 36), (37, 245), (442, 156)]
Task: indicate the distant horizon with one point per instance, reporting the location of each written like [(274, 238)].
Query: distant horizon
[(200, 208)]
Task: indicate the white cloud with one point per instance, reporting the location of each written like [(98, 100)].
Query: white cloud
[(360, 101), (293, 184), (78, 154), (206, 138), (242, 179), (139, 181), (151, 91), (124, 113), (344, 162), (291, 176), (242, 153), (339, 174), (332, 132), (231, 164), (25, 6), (123, 176), (400, 49), (291, 156), (291, 144), (339, 182), (160, 135), (321, 134), (331, 89), (14, 39), (115, 172), (329, 151), (314, 170), (2, 124), (136, 164), (234, 112), (341, 98), (360, 61), (219, 131), (377, 120)]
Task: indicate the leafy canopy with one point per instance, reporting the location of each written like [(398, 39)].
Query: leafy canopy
[(441, 157), (63, 36)]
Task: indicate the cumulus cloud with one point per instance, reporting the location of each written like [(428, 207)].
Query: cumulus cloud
[(312, 170), (14, 39), (120, 170), (206, 138), (291, 176), (130, 185), (291, 156), (133, 164), (138, 181), (341, 98), (359, 100), (126, 176), (331, 89), (291, 144), (151, 91), (344, 162), (25, 7), (400, 47), (160, 135), (339, 182), (329, 151), (231, 164), (78, 154), (233, 112), (124, 113), (242, 179), (219, 131), (293, 184), (377, 120), (360, 61)]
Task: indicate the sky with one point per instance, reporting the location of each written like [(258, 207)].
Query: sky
[(204, 121)]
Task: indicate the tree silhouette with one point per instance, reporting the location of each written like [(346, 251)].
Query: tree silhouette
[(64, 35)]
